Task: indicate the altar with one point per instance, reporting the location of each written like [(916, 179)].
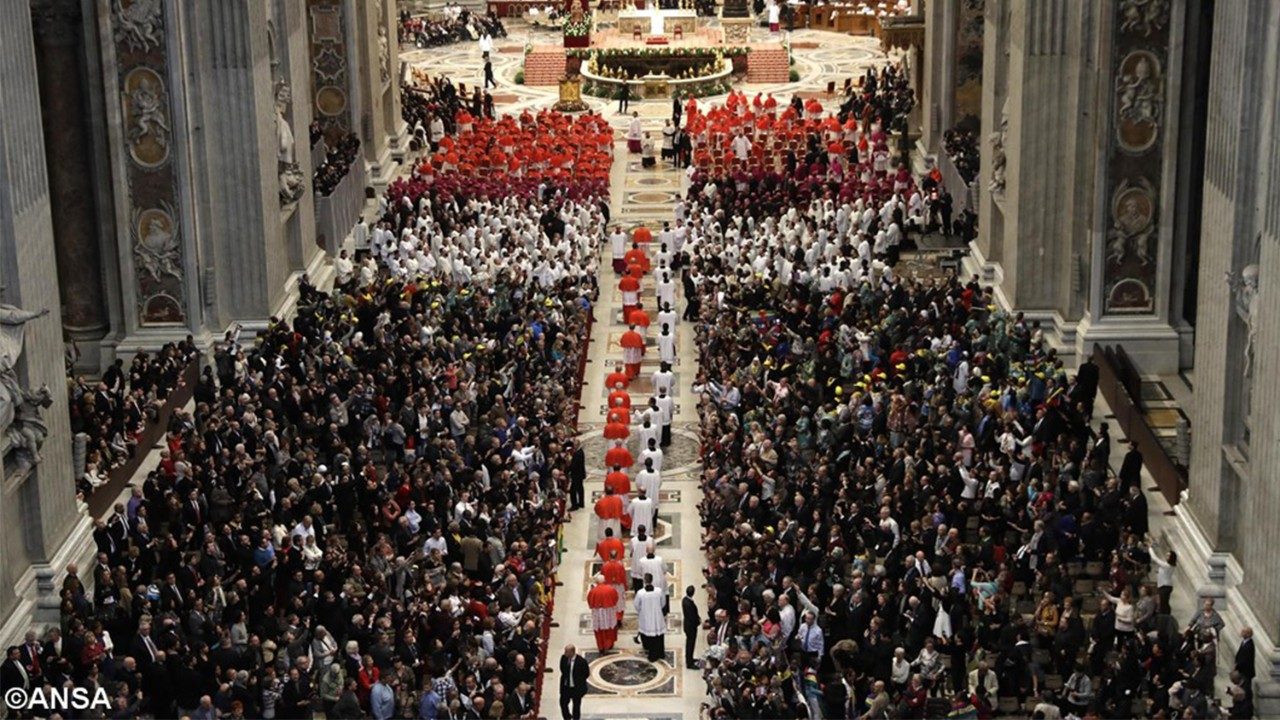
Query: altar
[(656, 22)]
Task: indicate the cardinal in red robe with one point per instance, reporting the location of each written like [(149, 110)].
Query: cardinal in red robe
[(603, 601), (609, 511), (615, 573), (610, 547), (629, 288), (618, 379), (618, 456), (632, 344)]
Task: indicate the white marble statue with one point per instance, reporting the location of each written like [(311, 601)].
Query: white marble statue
[(998, 160), (292, 182), (284, 133), (20, 408), (1245, 287)]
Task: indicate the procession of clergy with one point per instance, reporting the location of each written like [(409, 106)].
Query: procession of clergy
[(619, 509), (736, 140)]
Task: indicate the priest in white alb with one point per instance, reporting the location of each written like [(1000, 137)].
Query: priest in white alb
[(641, 510), (653, 625)]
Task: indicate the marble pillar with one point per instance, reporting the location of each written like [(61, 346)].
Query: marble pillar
[(37, 505), (1232, 499), (1132, 235), (938, 90), (953, 67), (993, 137), (59, 61), (375, 75), (148, 139), (331, 87), (256, 170), (1037, 161)]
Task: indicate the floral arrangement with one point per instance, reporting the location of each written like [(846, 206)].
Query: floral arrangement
[(655, 52), (577, 27)]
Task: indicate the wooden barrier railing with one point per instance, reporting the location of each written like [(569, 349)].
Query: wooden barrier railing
[(1120, 383)]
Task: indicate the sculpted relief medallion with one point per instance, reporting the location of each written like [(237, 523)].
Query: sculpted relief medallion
[(1139, 103), (146, 117)]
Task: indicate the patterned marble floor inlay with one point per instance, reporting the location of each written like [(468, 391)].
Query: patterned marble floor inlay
[(673, 577), (631, 674), (681, 456), (630, 624)]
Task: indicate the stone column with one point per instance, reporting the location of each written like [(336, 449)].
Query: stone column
[(249, 137), (1037, 146), (37, 505), (149, 142), (396, 129), (1132, 235), (375, 83), (59, 36), (939, 56), (992, 172)]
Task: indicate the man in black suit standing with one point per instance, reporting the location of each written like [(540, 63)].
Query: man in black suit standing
[(577, 475), (573, 683), (13, 673), (1245, 660), (624, 98), (1131, 469), (692, 625), (1086, 387)]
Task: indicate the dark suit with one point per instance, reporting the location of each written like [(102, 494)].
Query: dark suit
[(577, 474), (692, 624), (14, 675), (573, 685), (1130, 470), (522, 705), (1245, 664), (507, 599)]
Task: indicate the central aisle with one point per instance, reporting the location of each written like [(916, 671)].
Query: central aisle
[(623, 683)]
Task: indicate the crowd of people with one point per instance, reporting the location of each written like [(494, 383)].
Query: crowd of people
[(909, 510), (337, 163), (361, 516), (109, 417), (518, 154), (455, 24), (429, 107), (749, 140), (961, 146)]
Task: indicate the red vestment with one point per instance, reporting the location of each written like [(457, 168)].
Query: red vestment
[(618, 456), (610, 547), (603, 599)]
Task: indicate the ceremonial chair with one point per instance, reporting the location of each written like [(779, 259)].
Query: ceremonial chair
[(678, 33), (635, 33), (831, 88)]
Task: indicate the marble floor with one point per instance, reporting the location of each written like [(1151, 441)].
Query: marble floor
[(666, 689), (820, 57)]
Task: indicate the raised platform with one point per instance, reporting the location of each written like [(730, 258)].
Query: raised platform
[(763, 62), (703, 37)]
